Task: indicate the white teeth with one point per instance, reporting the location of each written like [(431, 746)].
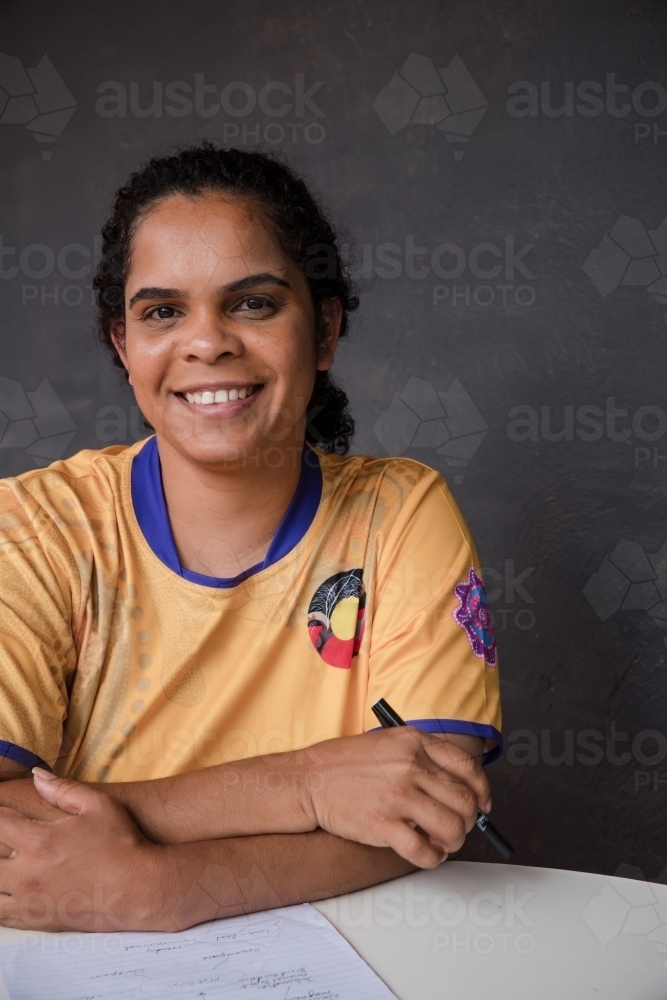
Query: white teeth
[(220, 396)]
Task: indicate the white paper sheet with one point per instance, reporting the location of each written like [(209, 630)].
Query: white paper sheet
[(291, 953)]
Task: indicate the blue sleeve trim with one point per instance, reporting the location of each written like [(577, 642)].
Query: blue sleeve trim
[(22, 756), (481, 729)]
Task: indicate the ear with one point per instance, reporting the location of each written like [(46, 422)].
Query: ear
[(332, 314), (118, 340)]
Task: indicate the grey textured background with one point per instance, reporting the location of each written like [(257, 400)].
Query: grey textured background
[(546, 512)]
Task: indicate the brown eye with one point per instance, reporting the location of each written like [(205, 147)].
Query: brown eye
[(256, 302), (163, 312)]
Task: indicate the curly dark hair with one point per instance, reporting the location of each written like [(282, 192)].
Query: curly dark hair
[(302, 230)]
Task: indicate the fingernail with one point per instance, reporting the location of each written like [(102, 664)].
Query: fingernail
[(488, 807), (41, 772)]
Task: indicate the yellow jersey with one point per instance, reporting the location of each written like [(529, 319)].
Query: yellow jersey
[(118, 664)]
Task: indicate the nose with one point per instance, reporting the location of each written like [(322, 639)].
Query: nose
[(208, 338)]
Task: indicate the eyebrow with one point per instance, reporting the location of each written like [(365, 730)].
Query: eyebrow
[(266, 278)]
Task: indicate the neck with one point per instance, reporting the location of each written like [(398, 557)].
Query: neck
[(223, 519)]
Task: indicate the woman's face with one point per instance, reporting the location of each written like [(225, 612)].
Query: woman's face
[(219, 332)]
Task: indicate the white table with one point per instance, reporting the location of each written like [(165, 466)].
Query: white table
[(469, 931)]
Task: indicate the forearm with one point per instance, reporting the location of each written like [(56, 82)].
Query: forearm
[(258, 795), (245, 798), (212, 879), (249, 797), (111, 878), (278, 839)]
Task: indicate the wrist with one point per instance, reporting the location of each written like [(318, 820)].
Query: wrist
[(151, 804), (305, 782), (167, 905), (199, 882)]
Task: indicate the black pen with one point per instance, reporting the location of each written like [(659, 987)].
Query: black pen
[(387, 718)]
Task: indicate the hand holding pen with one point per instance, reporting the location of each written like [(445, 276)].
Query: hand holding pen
[(388, 718), (404, 789)]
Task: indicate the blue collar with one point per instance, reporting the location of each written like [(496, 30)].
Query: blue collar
[(150, 508)]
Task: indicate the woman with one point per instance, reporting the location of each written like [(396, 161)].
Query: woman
[(203, 620)]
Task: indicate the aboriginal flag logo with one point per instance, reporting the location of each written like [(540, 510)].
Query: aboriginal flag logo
[(336, 618)]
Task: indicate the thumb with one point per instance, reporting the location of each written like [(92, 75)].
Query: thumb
[(73, 797)]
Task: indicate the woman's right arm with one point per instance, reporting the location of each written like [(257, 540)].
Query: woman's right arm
[(375, 788)]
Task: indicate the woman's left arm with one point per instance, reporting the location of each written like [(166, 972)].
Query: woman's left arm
[(88, 866), (95, 871)]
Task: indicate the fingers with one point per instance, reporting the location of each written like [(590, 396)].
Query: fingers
[(10, 915), (414, 846), (435, 752), (446, 824), (454, 750), (71, 796), (15, 829), (423, 829), (24, 797), (415, 792), (447, 790), (32, 911), (448, 787), (454, 763)]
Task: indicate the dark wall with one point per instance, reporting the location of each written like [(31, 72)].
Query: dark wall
[(511, 255)]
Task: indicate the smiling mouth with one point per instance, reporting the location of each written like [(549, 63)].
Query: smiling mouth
[(209, 397)]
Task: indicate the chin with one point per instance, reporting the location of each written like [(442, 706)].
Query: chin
[(221, 452)]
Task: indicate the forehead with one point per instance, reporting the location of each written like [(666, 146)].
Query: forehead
[(204, 237)]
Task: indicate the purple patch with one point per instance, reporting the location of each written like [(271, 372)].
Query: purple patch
[(474, 616)]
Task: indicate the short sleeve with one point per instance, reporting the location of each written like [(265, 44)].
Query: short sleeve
[(432, 651), (36, 649)]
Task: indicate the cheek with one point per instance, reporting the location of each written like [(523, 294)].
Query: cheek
[(298, 357), (300, 374), (146, 359)]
